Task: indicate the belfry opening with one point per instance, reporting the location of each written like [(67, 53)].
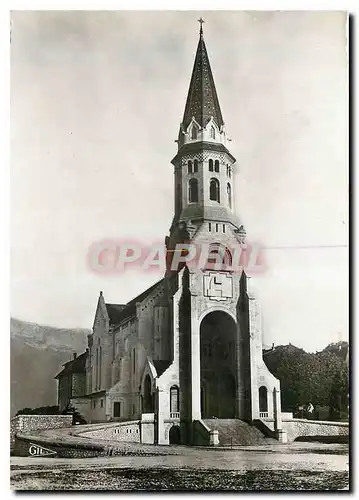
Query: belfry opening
[(218, 332)]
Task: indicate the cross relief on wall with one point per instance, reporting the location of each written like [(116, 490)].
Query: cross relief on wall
[(217, 286)]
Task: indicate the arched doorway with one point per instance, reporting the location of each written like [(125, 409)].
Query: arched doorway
[(148, 406), (218, 365), (175, 435)]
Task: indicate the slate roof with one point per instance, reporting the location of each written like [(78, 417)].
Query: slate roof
[(114, 312), (161, 366), (121, 312), (202, 100)]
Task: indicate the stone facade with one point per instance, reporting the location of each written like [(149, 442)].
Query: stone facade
[(72, 380), (189, 347)]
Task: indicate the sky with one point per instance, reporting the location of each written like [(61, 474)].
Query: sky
[(96, 103)]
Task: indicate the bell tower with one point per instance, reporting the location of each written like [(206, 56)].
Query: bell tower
[(203, 166), (217, 334)]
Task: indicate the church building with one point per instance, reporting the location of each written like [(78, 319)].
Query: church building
[(185, 356)]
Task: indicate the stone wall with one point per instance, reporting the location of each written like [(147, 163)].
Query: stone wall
[(148, 428), (25, 423), (64, 390), (299, 427), (83, 406), (92, 409), (121, 431), (97, 409)]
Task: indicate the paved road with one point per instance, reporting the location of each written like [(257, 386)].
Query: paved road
[(293, 466)]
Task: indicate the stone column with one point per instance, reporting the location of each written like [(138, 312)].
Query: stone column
[(280, 433), (277, 410), (160, 418)]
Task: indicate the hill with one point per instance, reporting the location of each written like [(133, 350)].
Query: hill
[(37, 354)]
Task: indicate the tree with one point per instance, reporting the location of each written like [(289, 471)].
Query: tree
[(77, 418), (41, 410), (339, 399), (319, 378)]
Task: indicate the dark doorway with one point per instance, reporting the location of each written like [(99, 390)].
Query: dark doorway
[(117, 410), (218, 333), (175, 435)]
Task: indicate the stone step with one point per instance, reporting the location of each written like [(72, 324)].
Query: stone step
[(237, 432)]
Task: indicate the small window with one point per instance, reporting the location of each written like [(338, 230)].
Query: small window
[(229, 195), (224, 228), (193, 191), (94, 404), (210, 164), (214, 190), (216, 166), (189, 165), (212, 132), (216, 228), (209, 227), (133, 409), (101, 403), (195, 166), (194, 133)]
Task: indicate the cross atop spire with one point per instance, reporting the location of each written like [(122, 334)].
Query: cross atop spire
[(201, 21)]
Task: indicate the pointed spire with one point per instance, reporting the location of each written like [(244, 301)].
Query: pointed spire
[(202, 100)]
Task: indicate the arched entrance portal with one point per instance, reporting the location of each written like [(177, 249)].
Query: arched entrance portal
[(218, 365)]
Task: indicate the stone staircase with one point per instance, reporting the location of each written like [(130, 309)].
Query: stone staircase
[(238, 433)]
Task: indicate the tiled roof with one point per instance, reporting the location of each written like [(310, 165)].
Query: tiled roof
[(202, 100), (77, 365)]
